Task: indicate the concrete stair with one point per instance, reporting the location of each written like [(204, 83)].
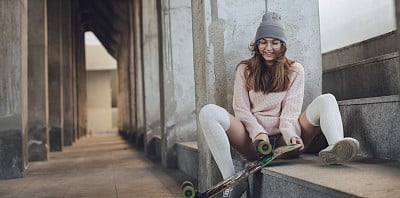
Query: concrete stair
[(375, 122), (308, 177), (375, 173)]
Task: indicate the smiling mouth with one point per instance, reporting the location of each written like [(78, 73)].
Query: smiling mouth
[(268, 54)]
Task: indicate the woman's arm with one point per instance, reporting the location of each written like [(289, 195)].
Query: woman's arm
[(241, 105), (291, 106)]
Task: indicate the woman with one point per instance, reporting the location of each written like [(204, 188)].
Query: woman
[(267, 100)]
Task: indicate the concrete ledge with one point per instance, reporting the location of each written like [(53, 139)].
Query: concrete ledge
[(308, 177), (37, 142), (56, 139), (375, 123), (11, 155), (154, 147), (188, 158)]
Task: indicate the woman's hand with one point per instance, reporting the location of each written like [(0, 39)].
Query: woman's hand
[(261, 136), (297, 140)]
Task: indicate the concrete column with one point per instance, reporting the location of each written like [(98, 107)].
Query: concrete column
[(397, 5), (139, 80), (74, 27), (123, 84), (67, 72), (131, 65), (222, 32), (178, 118), (304, 43), (13, 88), (81, 82), (55, 75), (151, 66), (38, 114)]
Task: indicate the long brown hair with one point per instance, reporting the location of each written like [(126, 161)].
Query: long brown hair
[(261, 77)]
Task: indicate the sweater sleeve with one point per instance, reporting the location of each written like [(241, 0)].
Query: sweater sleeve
[(241, 105), (292, 104)]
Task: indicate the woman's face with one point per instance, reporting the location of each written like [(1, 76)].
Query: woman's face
[(269, 48)]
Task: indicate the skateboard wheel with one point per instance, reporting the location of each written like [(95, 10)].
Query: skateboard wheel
[(264, 148), (188, 191)]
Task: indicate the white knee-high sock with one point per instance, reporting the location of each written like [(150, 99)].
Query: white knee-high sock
[(215, 121), (324, 111)]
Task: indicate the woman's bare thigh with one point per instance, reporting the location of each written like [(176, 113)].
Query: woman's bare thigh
[(308, 131), (240, 140)]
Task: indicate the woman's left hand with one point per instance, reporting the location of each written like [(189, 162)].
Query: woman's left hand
[(297, 140)]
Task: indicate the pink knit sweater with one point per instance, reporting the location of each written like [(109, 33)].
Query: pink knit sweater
[(271, 113)]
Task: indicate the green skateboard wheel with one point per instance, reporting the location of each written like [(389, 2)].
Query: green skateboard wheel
[(188, 191), (264, 148)]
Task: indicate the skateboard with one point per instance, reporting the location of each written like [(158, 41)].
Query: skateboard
[(267, 155)]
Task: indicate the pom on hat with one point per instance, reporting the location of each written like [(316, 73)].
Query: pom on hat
[(271, 26)]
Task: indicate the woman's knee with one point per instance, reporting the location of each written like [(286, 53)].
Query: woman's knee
[(327, 98), (212, 112)]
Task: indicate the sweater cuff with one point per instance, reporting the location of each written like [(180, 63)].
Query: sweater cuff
[(255, 130), (287, 135)]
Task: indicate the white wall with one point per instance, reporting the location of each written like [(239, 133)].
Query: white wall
[(99, 101), (344, 22), (101, 77)]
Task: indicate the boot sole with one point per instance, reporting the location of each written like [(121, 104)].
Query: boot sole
[(343, 151)]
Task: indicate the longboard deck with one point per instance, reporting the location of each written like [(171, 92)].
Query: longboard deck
[(188, 189)]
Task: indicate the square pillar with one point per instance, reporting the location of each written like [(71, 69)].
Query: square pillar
[(138, 76), (38, 114), (13, 88), (55, 75), (151, 69), (178, 117), (67, 73)]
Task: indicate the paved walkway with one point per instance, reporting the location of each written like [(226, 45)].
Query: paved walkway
[(96, 166)]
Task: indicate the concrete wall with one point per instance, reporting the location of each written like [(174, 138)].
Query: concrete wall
[(304, 44), (222, 31), (178, 118)]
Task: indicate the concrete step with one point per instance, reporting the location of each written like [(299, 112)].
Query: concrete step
[(372, 77), (375, 122), (374, 47), (188, 158), (308, 177)]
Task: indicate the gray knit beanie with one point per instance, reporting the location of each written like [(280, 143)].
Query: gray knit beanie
[(271, 26)]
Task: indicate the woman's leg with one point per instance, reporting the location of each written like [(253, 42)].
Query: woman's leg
[(240, 140), (324, 112), (220, 128), (214, 122)]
